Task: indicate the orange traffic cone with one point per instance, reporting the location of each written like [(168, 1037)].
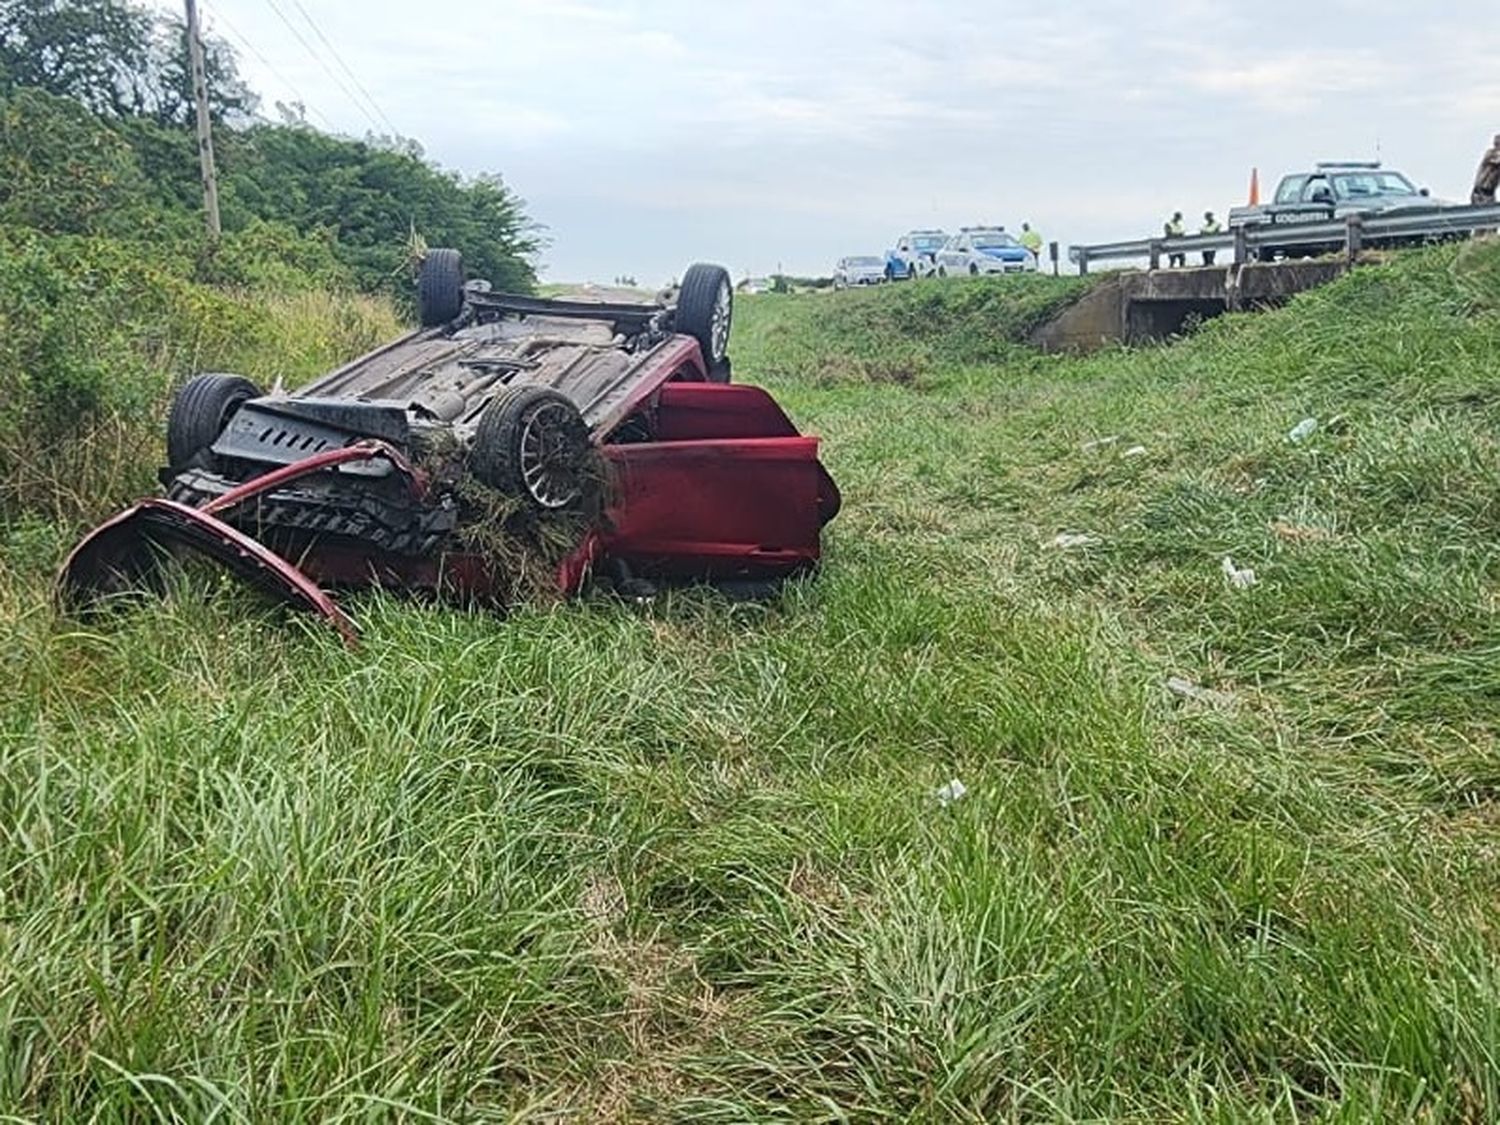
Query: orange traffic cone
[(1254, 187)]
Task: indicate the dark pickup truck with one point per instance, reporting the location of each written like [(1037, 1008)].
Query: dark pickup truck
[(1333, 190)]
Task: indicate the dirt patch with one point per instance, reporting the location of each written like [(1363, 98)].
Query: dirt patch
[(843, 370)]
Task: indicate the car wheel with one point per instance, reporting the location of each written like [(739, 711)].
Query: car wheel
[(705, 310), (973, 270), (532, 443), (440, 287), (200, 411), (942, 271)]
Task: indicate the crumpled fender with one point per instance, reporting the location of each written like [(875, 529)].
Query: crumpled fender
[(126, 552)]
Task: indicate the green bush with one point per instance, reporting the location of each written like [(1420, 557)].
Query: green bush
[(95, 333)]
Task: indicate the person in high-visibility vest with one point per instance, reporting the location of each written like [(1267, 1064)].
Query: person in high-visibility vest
[(1032, 241), (1175, 229), (1210, 226)]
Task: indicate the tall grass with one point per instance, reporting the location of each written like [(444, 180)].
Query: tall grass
[(95, 337), (685, 861)]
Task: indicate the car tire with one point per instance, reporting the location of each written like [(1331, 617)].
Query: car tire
[(973, 270), (533, 444), (942, 271), (440, 287), (200, 411), (705, 310)]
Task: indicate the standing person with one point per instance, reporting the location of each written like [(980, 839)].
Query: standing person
[(1210, 226), (1487, 179), (1175, 229), (1033, 242)]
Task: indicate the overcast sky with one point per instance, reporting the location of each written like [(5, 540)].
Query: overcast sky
[(646, 134)]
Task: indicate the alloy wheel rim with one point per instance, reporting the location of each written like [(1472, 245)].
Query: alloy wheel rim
[(548, 463), (719, 326)]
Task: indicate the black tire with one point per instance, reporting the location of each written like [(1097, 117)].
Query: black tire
[(200, 411), (720, 372), (942, 271), (440, 287), (705, 310), (973, 270), (532, 443)]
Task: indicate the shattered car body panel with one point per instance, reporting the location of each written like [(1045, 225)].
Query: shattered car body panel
[(616, 417)]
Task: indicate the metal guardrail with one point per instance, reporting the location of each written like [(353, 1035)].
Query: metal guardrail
[(1350, 234)]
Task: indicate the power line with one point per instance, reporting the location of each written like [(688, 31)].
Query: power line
[(220, 17), (337, 81), (338, 58)]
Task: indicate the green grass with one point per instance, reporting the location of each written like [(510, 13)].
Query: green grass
[(685, 863)]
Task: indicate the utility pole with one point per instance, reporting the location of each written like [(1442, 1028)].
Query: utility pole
[(205, 129)]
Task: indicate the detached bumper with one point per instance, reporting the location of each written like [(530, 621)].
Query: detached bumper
[(126, 553)]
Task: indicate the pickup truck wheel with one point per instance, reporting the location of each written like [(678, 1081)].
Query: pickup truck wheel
[(200, 411), (440, 287), (532, 443), (973, 270), (705, 310)]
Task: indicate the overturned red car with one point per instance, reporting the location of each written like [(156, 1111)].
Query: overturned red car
[(504, 413)]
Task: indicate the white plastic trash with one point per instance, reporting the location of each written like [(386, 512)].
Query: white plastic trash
[(1302, 430), (1135, 451), (1186, 689), (1239, 579), (953, 791), (1068, 541)]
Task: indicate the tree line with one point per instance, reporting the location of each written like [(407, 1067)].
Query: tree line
[(95, 138)]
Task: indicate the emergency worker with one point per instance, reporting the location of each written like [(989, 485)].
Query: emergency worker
[(1210, 226), (1032, 241), (1175, 229)]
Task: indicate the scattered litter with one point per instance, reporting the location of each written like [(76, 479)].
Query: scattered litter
[(953, 791), (1186, 689), (1067, 541), (1135, 451), (1302, 430), (1099, 443), (1239, 579)]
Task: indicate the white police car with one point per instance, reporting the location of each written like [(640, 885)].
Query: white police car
[(974, 251)]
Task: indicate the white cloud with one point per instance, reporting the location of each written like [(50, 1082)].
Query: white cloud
[(1291, 82)]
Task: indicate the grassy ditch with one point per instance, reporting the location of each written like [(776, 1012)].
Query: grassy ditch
[(686, 861)]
